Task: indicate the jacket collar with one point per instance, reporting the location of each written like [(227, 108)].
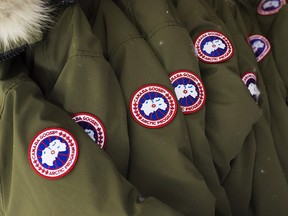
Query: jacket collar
[(23, 22)]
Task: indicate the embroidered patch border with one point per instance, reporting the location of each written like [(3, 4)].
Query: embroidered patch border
[(93, 126), (183, 81), (267, 47), (213, 42), (53, 153), (250, 78), (265, 11), (153, 106)]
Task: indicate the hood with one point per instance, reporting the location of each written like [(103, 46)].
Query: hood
[(22, 22)]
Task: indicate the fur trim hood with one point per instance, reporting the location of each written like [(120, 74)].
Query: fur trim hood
[(22, 22)]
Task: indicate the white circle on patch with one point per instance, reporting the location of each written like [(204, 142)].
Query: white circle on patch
[(153, 106), (250, 80), (53, 153), (92, 126), (189, 90), (260, 46), (213, 47), (270, 7)]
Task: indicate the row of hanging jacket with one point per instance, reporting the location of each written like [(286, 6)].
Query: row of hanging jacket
[(143, 107)]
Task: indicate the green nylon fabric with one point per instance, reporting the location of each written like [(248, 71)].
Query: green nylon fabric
[(224, 107), (237, 182), (94, 186), (264, 201), (267, 178), (79, 69), (161, 159), (71, 70), (266, 22), (278, 35), (91, 187), (159, 24), (275, 88)]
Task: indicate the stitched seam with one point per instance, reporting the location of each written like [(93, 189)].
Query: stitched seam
[(157, 29), (90, 52), (122, 42), (86, 55)]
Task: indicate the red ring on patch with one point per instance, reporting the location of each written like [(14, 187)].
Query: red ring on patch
[(270, 7), (213, 47), (153, 106), (250, 80), (92, 126), (53, 153), (189, 90), (260, 46)]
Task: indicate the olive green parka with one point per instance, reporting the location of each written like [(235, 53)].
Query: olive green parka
[(161, 162), (48, 164)]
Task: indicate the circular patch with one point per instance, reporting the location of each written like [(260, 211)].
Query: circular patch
[(53, 153), (189, 90), (250, 80), (93, 127), (270, 7), (213, 47), (260, 46), (153, 106)]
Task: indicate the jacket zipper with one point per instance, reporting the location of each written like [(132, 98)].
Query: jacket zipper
[(12, 53), (63, 2)]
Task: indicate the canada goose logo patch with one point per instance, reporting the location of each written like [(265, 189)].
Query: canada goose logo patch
[(250, 81), (153, 106), (189, 90), (213, 47), (53, 153), (260, 46), (93, 127), (270, 7)]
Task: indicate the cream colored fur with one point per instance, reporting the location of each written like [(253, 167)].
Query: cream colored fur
[(22, 22)]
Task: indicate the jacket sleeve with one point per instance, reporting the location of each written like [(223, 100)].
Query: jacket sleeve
[(223, 106), (79, 181), (72, 72), (159, 24), (161, 163)]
